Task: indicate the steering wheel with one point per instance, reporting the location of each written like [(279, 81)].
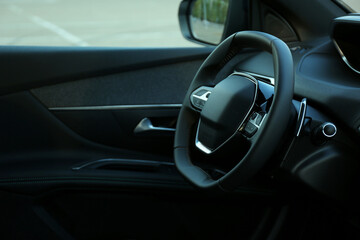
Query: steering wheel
[(219, 111)]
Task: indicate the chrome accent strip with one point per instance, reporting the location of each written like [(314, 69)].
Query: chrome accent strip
[(205, 149), (255, 75), (261, 122), (301, 116), (350, 18), (114, 107), (344, 58), (201, 146), (123, 161), (202, 97), (323, 130), (146, 125)]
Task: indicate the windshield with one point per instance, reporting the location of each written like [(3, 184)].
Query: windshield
[(354, 5)]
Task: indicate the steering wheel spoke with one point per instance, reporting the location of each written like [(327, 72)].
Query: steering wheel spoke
[(253, 125), (200, 96)]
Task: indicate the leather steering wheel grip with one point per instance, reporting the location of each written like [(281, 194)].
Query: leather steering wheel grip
[(274, 126)]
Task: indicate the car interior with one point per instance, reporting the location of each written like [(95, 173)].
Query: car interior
[(254, 134)]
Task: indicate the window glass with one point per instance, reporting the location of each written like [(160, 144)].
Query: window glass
[(124, 23), (353, 4)]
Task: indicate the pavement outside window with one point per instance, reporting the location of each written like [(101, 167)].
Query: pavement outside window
[(354, 4), (122, 23)]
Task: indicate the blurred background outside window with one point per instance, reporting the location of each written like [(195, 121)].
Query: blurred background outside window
[(122, 23)]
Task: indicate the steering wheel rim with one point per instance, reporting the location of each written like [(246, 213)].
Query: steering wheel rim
[(273, 127)]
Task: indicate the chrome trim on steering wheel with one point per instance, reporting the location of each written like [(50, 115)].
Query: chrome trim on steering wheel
[(268, 79), (201, 146)]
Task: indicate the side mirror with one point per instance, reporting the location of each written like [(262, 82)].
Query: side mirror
[(211, 21), (207, 19)]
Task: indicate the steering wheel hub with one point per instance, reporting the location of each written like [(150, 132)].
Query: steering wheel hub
[(225, 111)]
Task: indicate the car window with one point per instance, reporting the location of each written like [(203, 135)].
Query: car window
[(352, 4), (124, 23)]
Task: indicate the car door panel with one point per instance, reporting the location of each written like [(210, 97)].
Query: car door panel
[(72, 164), (164, 84), (38, 142), (25, 68), (112, 106)]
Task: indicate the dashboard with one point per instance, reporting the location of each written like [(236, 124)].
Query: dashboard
[(323, 150), (320, 76)]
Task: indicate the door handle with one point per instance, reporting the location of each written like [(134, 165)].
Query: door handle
[(146, 126)]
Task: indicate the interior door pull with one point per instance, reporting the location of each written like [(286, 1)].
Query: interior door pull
[(146, 126)]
